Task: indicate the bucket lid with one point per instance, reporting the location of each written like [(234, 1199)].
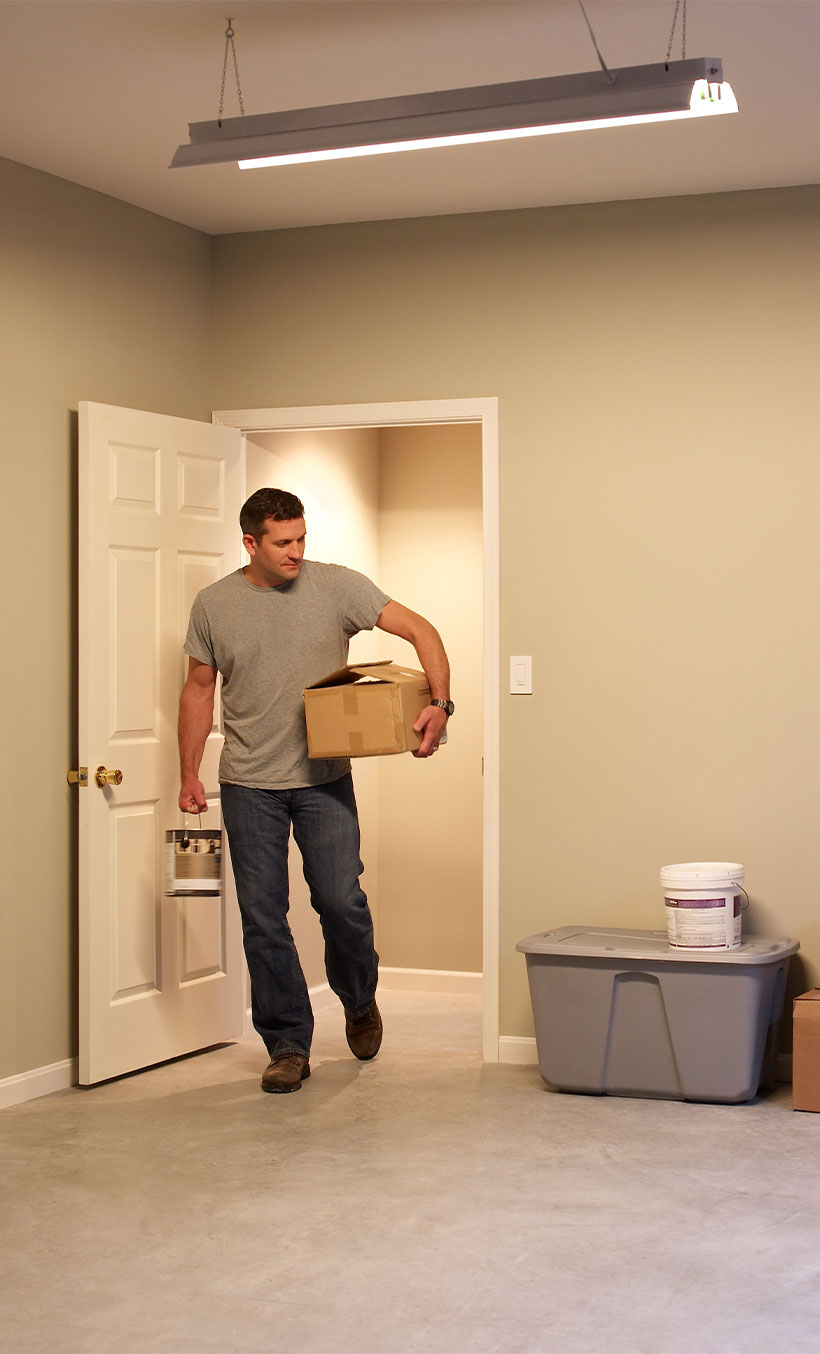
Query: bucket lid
[(699, 874), (618, 943)]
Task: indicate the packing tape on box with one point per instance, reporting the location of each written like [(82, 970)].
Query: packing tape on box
[(350, 702)]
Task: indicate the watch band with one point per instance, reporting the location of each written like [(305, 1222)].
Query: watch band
[(446, 706)]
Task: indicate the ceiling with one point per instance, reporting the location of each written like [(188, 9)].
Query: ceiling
[(101, 92)]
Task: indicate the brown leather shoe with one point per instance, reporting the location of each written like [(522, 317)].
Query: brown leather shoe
[(364, 1032), (285, 1072)]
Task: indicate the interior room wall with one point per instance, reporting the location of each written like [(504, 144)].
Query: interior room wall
[(655, 364), (430, 812), (336, 475), (105, 302)]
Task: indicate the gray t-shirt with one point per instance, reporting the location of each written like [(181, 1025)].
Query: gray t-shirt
[(269, 644)]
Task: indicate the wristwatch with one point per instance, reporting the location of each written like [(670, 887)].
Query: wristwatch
[(446, 706)]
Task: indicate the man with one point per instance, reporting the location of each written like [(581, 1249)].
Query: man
[(271, 629)]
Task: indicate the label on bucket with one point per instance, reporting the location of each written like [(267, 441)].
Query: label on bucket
[(193, 862), (701, 923)]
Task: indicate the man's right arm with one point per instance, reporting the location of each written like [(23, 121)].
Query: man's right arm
[(196, 719)]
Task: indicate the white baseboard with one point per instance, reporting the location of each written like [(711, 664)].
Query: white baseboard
[(398, 980), (323, 999), (452, 981), (513, 1048), (39, 1081)]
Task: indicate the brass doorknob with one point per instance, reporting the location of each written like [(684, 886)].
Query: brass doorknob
[(103, 777)]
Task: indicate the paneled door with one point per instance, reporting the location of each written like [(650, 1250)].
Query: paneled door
[(159, 500)]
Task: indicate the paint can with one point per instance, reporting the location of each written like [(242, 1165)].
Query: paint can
[(193, 862), (704, 901)]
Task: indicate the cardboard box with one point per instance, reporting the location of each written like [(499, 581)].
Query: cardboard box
[(806, 1058), (365, 710)]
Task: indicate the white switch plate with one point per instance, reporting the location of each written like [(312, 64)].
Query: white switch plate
[(521, 675)]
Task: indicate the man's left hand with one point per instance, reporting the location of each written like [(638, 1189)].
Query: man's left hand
[(431, 724)]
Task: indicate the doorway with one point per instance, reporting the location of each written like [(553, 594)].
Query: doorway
[(408, 495)]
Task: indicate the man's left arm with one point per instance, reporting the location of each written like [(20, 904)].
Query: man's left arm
[(396, 619)]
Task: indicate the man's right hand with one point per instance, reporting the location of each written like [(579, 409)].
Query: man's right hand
[(192, 797)]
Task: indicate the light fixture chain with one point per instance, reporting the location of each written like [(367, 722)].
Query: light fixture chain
[(683, 31), (229, 42)]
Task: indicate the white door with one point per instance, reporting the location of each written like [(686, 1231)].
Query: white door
[(159, 499)]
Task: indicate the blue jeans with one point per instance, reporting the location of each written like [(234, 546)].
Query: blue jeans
[(326, 830)]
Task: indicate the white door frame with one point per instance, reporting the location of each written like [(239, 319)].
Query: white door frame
[(420, 412)]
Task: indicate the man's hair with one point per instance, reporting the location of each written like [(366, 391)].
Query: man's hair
[(265, 503)]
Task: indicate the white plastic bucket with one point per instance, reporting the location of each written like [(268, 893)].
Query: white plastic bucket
[(704, 901)]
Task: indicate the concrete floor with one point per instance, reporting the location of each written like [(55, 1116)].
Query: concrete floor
[(419, 1204)]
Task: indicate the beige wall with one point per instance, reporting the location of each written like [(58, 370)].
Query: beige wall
[(100, 301), (430, 812), (655, 364), (656, 368)]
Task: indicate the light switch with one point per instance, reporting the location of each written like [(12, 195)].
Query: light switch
[(521, 675)]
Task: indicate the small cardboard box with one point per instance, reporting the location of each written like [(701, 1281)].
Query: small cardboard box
[(365, 710), (806, 1058)]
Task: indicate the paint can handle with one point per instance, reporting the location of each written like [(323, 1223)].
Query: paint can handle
[(730, 913)]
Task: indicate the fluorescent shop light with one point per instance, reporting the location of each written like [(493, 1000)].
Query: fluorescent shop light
[(665, 92)]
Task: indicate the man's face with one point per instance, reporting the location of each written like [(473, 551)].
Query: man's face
[(277, 557)]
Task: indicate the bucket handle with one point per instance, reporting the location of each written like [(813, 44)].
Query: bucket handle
[(730, 914)]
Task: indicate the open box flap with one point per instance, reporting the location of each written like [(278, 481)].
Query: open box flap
[(351, 673), (383, 670)]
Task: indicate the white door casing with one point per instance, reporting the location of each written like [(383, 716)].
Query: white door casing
[(482, 410), (159, 499)]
